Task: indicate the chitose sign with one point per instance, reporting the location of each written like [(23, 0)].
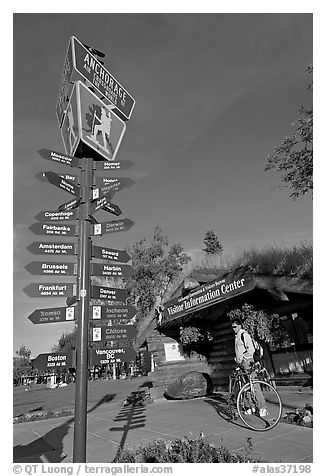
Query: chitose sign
[(232, 284)]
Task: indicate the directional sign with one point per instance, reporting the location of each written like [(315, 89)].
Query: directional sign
[(55, 215), (116, 184), (113, 312), (110, 253), (112, 294), (114, 270), (59, 158), (52, 248), (52, 315), (109, 356), (99, 77), (112, 226), (74, 203), (73, 178), (122, 165), (53, 229), (104, 203), (127, 332), (60, 182), (52, 269), (50, 289), (55, 361), (65, 85)]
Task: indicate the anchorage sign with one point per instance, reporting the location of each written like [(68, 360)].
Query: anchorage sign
[(231, 284)]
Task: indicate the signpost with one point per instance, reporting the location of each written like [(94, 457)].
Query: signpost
[(111, 356), (113, 333), (112, 226), (49, 290), (52, 248), (114, 270), (53, 315), (54, 361), (115, 311), (92, 127), (112, 294), (51, 269), (110, 253), (57, 215), (48, 154), (53, 229)]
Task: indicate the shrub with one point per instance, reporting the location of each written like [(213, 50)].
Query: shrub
[(185, 450)]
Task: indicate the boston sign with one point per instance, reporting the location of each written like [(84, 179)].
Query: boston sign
[(227, 286)]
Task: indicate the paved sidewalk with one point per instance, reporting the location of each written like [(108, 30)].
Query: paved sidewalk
[(111, 425)]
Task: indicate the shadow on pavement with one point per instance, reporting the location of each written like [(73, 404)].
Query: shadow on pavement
[(221, 406), (40, 447)]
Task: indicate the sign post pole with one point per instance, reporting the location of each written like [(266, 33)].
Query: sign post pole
[(79, 452)]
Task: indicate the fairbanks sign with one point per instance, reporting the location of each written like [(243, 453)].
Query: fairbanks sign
[(227, 286)]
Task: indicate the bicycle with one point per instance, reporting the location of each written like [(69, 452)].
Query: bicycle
[(243, 401)]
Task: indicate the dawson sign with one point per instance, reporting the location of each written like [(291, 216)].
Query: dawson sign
[(231, 284)]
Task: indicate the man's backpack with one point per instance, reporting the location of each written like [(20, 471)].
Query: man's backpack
[(259, 352)]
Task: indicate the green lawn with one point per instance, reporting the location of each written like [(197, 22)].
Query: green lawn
[(41, 398)]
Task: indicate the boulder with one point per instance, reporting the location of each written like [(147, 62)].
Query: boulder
[(190, 385)]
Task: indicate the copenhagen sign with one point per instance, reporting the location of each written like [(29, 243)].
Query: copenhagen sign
[(231, 284)]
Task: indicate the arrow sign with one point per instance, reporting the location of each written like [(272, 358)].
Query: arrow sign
[(49, 289), (74, 203), (110, 253), (52, 269), (116, 184), (73, 178), (54, 361), (52, 315), (112, 226), (113, 333), (59, 158), (113, 312), (122, 165), (109, 356), (51, 248), (65, 185), (112, 294), (116, 270), (53, 229), (104, 203), (55, 215)]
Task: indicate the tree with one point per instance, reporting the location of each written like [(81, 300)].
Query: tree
[(212, 244), (293, 159), (157, 264), (67, 341), (22, 362)]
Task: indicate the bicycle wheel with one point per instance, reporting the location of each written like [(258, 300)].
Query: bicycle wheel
[(251, 411)]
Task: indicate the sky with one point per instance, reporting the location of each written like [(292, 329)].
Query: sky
[(214, 92)]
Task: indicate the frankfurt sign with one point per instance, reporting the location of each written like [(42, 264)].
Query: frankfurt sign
[(50, 289)]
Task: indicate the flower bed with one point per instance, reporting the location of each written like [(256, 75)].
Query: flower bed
[(42, 415), (301, 417)]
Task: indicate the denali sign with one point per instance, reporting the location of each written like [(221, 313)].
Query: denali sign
[(227, 286)]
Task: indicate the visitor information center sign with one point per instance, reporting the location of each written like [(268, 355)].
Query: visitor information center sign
[(227, 286)]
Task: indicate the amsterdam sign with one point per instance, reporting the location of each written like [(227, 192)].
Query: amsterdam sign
[(53, 315), (52, 248)]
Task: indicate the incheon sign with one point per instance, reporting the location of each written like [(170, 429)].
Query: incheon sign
[(226, 287)]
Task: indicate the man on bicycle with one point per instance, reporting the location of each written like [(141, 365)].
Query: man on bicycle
[(244, 351)]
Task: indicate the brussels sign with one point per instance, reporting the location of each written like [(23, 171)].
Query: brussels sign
[(52, 268)]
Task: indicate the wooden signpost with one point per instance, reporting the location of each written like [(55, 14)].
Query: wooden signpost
[(105, 133)]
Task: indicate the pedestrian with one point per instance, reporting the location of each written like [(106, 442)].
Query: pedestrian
[(244, 356)]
